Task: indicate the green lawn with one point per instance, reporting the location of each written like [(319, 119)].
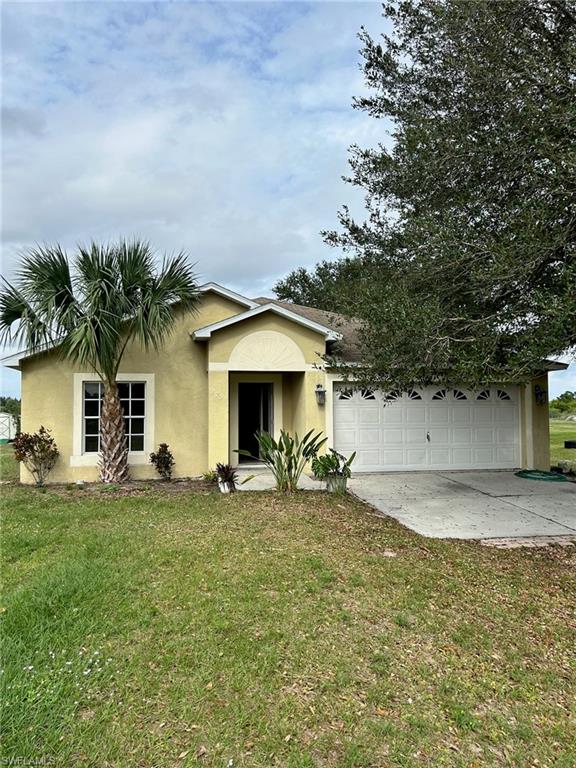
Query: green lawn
[(560, 431), (180, 628), (9, 468)]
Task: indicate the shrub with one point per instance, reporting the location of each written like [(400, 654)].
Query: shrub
[(38, 453), (210, 477), (332, 464), (163, 460), (287, 457)]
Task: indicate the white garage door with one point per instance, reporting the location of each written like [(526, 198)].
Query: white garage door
[(431, 428)]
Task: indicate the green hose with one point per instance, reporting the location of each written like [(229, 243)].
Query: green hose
[(536, 474)]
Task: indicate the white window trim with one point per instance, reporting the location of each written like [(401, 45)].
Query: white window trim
[(81, 459)]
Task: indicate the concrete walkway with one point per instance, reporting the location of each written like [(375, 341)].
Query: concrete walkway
[(471, 505), (261, 479)]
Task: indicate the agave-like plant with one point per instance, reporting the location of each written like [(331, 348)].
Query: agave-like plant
[(89, 309), (287, 456)]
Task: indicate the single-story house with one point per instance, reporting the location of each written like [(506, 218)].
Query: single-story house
[(240, 365)]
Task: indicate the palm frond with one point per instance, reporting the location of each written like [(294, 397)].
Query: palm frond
[(112, 295), (135, 263), (96, 277), (45, 280), (175, 286), (20, 323)]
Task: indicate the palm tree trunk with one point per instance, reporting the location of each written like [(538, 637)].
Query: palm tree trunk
[(113, 444)]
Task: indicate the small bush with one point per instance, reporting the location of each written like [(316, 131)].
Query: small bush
[(163, 460), (210, 477), (38, 453)]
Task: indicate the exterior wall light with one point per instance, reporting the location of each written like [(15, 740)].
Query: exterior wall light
[(540, 395), (320, 394)]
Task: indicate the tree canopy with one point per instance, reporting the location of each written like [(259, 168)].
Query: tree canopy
[(564, 403), (465, 266), (10, 405)]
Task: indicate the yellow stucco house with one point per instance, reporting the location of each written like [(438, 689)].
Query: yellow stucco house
[(240, 365)]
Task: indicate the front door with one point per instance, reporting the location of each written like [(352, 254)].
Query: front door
[(254, 415)]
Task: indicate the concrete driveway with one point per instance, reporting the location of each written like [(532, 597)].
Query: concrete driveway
[(471, 505)]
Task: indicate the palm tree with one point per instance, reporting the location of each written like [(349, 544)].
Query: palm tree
[(90, 309)]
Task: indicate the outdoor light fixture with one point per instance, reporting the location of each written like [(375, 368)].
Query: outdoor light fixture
[(320, 394), (540, 395)]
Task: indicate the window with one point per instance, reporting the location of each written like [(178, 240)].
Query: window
[(392, 396), (501, 394), (345, 394), (367, 394), (483, 395), (133, 401), (92, 405), (442, 394), (459, 395), (414, 395)]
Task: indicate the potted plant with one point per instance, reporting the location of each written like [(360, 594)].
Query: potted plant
[(227, 477), (334, 468)]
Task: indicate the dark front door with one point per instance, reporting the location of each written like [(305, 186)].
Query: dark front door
[(254, 415)]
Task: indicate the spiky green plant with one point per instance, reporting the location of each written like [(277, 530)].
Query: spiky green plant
[(287, 456), (89, 308)]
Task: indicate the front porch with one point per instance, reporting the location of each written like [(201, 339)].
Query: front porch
[(242, 403)]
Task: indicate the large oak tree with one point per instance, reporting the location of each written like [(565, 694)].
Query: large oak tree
[(467, 254)]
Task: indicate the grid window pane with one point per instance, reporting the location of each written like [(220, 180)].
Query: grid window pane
[(137, 443), (92, 426), (138, 388), (92, 390), (91, 407), (137, 426), (91, 444), (133, 403), (137, 407)]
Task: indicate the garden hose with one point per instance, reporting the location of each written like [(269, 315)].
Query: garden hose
[(537, 474)]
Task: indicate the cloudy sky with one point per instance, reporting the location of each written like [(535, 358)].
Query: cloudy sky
[(220, 128)]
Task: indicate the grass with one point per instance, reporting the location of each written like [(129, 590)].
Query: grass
[(560, 431), (181, 629), (9, 468)]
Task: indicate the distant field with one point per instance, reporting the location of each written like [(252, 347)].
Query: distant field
[(560, 431)]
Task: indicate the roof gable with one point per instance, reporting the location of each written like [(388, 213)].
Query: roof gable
[(329, 334), (228, 294)]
